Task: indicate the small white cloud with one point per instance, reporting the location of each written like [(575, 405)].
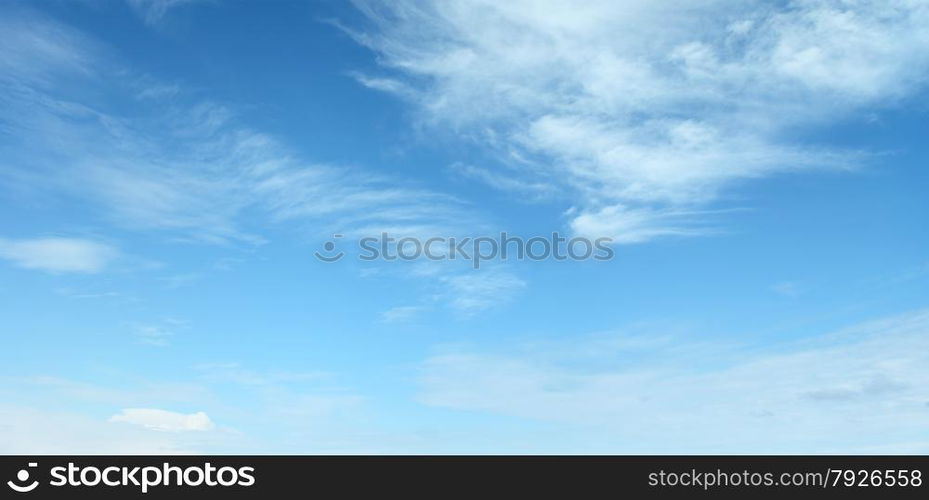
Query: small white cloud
[(153, 335), (503, 182), (160, 333), (401, 314), (163, 420), (58, 255), (787, 289), (42, 431), (480, 290), (625, 225), (153, 11), (389, 85)]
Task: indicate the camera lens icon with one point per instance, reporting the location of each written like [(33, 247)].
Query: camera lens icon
[(21, 477)]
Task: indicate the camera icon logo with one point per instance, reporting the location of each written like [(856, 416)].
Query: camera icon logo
[(21, 477), (330, 247)]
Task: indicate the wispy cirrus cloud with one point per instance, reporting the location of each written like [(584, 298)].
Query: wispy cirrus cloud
[(452, 286), (178, 164), (159, 333), (471, 293), (401, 314), (645, 111), (40, 431), (58, 255), (163, 420), (182, 167), (152, 11), (834, 393)]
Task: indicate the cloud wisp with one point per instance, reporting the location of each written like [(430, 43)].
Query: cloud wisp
[(153, 11), (58, 255), (181, 165), (185, 168), (832, 394), (646, 111), (163, 420)]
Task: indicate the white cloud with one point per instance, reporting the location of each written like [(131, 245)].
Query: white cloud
[(857, 389), (180, 165), (480, 290), (535, 190), (163, 420), (58, 255), (635, 225), (401, 314), (50, 52), (33, 431), (157, 334), (262, 411), (647, 109), (153, 11), (187, 168), (787, 289)]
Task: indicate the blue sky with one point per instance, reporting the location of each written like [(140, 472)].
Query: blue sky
[(169, 167)]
